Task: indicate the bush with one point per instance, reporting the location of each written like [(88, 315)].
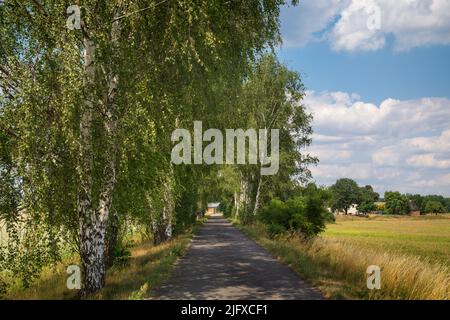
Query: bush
[(304, 215), (329, 217), (434, 207)]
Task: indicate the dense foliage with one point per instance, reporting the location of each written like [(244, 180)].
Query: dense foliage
[(345, 193), (434, 207), (396, 203), (271, 99), (86, 117), (303, 215)]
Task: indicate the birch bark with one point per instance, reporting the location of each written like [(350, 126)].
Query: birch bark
[(93, 221), (91, 234)]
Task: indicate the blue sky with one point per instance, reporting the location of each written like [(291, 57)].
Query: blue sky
[(377, 74)]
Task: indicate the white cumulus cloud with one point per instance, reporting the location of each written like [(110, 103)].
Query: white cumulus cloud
[(428, 160), (398, 145), (365, 25)]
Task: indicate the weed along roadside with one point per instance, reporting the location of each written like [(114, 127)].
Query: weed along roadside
[(158, 268), (169, 257)]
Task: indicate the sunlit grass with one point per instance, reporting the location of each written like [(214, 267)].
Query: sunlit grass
[(427, 237), (148, 266)]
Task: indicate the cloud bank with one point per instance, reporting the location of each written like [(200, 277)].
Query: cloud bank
[(397, 145)]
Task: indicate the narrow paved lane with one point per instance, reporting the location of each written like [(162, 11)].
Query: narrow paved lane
[(223, 263)]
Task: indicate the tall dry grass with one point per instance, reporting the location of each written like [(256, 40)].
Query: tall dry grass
[(402, 276)]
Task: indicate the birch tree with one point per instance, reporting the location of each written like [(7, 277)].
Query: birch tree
[(271, 99)]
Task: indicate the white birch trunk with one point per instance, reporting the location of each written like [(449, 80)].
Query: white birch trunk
[(92, 236), (163, 224), (93, 222), (257, 197), (236, 203)]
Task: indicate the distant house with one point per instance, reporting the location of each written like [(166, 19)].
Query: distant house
[(414, 209), (353, 210), (212, 208)]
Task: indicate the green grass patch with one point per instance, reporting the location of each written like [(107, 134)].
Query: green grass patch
[(427, 237)]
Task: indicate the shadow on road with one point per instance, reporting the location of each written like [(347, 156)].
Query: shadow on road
[(223, 263)]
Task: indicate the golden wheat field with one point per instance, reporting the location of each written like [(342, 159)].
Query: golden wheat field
[(426, 237)]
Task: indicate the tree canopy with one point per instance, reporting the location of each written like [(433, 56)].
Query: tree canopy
[(86, 117), (396, 203), (345, 193)]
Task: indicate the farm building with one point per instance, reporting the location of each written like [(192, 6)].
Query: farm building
[(212, 208), (414, 209)]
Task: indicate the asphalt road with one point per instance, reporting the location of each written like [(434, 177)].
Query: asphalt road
[(223, 263)]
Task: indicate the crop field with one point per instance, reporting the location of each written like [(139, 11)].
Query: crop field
[(427, 237)]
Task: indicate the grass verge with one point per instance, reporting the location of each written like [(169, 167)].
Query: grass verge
[(338, 268), (147, 268)]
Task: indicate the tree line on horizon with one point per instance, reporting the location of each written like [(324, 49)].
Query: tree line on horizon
[(346, 193), (304, 210)]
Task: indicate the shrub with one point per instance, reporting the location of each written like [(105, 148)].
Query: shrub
[(329, 217), (304, 215), (434, 207), (275, 213), (140, 294)]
